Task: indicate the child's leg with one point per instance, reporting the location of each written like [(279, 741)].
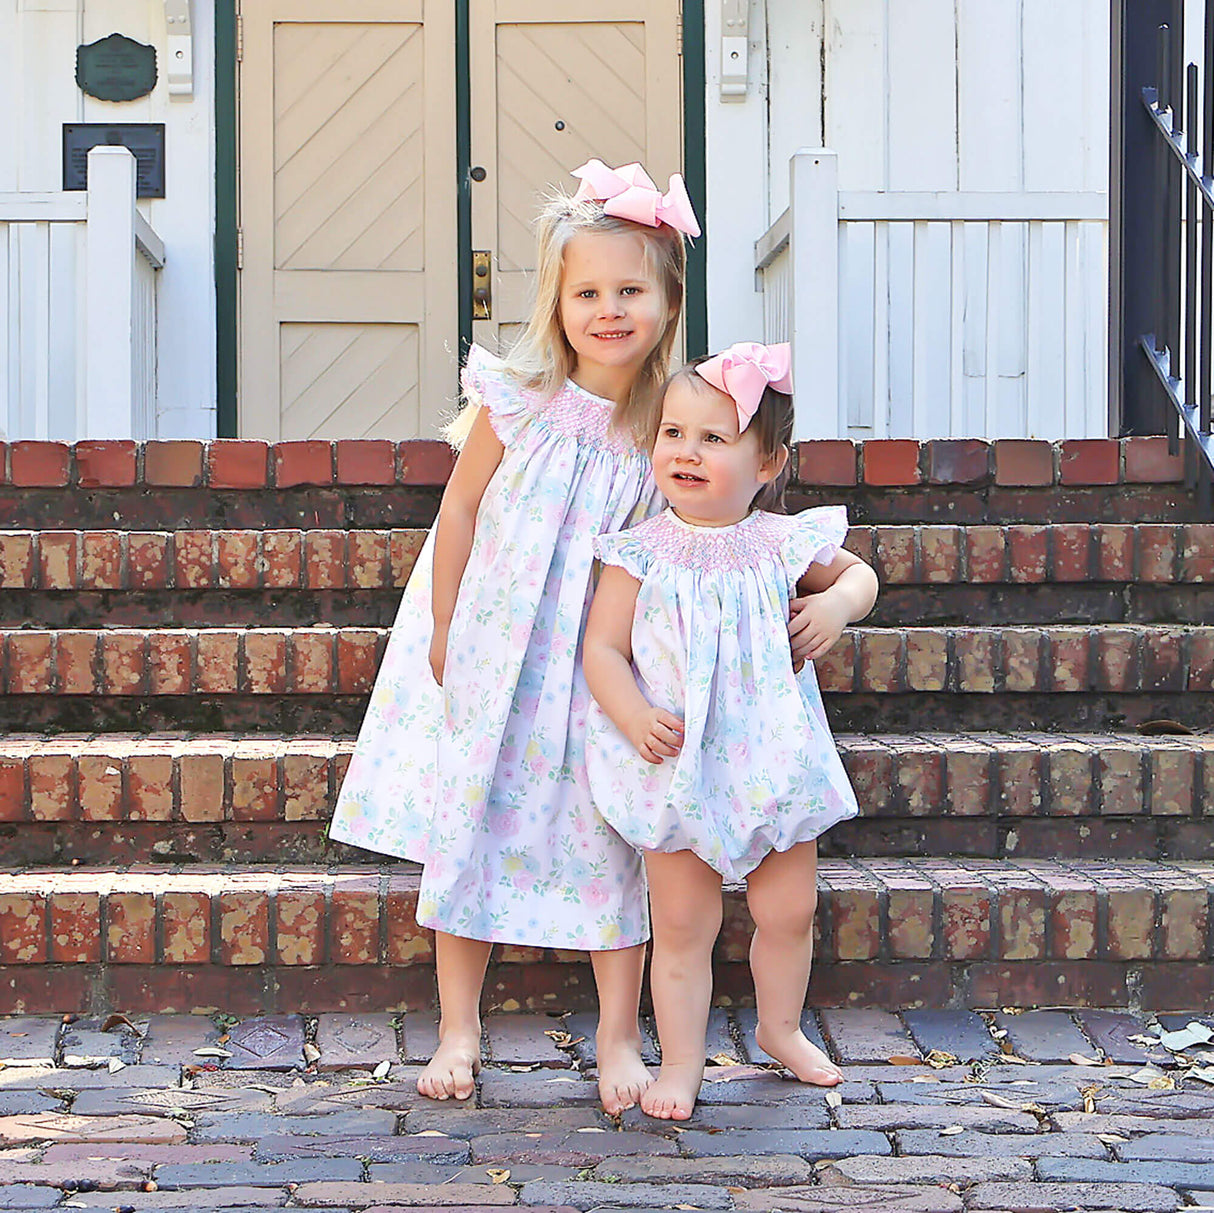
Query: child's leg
[(685, 904), (622, 1073), (460, 964), (782, 895)]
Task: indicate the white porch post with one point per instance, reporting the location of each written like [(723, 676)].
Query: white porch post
[(110, 293), (814, 297)]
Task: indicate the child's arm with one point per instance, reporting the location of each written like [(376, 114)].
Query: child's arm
[(453, 529), (607, 660), (830, 596)]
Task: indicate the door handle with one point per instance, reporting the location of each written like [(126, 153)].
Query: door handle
[(482, 285)]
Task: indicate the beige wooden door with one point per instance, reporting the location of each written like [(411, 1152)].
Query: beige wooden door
[(348, 303), (553, 83)]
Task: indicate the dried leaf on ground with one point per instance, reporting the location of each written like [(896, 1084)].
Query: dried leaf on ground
[(119, 1020), (381, 1070), (902, 1059), (952, 1130), (938, 1059), (1078, 1059), (497, 1174), (833, 1099)]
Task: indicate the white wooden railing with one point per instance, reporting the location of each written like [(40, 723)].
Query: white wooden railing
[(78, 277), (938, 314)]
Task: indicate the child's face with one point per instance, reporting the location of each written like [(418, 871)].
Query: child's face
[(707, 470), (613, 310)]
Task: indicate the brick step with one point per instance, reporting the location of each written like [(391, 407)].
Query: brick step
[(1079, 571), (894, 933), (313, 679), (381, 483), (257, 799)]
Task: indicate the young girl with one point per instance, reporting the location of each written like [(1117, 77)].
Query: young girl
[(707, 750), (471, 756)]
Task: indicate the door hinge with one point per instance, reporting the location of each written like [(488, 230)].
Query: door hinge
[(239, 38), (240, 248)]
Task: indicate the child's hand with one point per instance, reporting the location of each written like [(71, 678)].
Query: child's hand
[(438, 653), (657, 734), (816, 622)]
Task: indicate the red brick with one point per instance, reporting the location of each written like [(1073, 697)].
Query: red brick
[(3, 463), (218, 661), (130, 933), (312, 664), (910, 922), (265, 654), (857, 924), (282, 552), (237, 463), (1147, 462), (985, 553), (968, 768), (202, 787), (966, 922), (172, 464), (404, 547), (940, 554), (365, 461), (22, 927), (301, 923), (12, 788), (1119, 765), (1117, 661), (1021, 923), (244, 937), (58, 559), (49, 990), (1071, 781), (861, 541), (29, 663), (870, 766), (920, 777), (16, 560), (425, 461), (1023, 461), (170, 663), (236, 559), (107, 463), (305, 787), (1184, 923), (1018, 778), (325, 559), (1073, 914), (880, 661), (52, 786), (75, 928), (891, 461), (254, 788), (355, 920), (39, 464), (895, 554), (826, 461), (368, 562), (408, 944), (302, 463), (1072, 551), (1089, 461), (1028, 548), (193, 989), (358, 653), (1162, 660), (836, 670), (150, 787), (1115, 552), (1156, 553), (1131, 922), (1197, 553), (1069, 658), (100, 791), (192, 560), (147, 560), (958, 461), (124, 670), (186, 917), (1173, 777), (77, 666), (977, 660), (1201, 661)]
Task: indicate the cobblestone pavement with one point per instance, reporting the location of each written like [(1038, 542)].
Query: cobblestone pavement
[(941, 1111)]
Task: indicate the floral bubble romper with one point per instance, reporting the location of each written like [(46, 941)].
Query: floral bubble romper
[(758, 770), (483, 780)]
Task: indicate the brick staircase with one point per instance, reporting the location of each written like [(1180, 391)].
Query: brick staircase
[(188, 633)]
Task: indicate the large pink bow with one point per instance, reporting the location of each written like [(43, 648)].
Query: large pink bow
[(745, 370), (628, 193)]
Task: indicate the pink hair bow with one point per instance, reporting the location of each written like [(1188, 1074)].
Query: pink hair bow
[(745, 370), (628, 193)]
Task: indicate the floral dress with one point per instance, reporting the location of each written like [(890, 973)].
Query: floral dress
[(483, 780), (758, 770)]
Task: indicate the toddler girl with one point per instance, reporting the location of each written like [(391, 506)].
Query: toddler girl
[(471, 756), (708, 751)]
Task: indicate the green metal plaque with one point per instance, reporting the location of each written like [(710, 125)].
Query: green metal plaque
[(116, 68)]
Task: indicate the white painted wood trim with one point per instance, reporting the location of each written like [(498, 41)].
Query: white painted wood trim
[(43, 208), (860, 206), (148, 243), (773, 241)]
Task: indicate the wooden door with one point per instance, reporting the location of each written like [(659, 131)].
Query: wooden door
[(347, 167), (555, 82)]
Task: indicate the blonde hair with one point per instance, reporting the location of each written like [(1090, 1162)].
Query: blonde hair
[(542, 358)]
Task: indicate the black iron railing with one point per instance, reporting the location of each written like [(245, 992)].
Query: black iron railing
[(1166, 237)]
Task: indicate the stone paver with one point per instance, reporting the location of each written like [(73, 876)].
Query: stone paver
[(28, 1040), (1111, 1032), (83, 1043), (897, 1138), (1043, 1035)]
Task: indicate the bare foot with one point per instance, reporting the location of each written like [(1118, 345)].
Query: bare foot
[(673, 1096), (805, 1060), (452, 1069), (623, 1076)]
